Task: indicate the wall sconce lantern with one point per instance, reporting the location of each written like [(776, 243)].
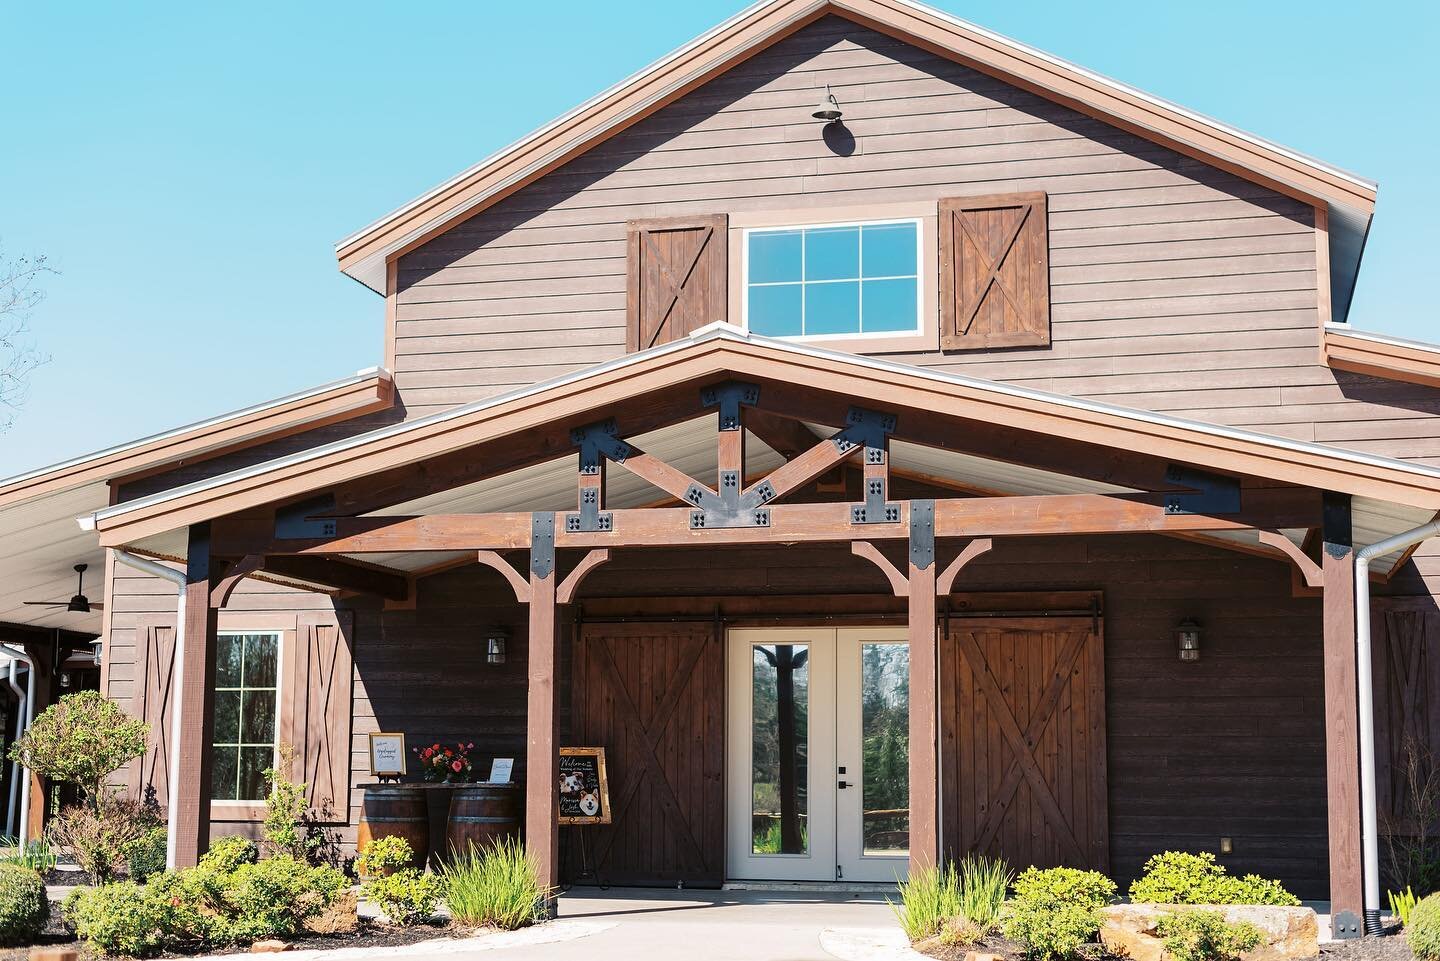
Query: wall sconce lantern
[(829, 109), (495, 647), (1187, 635), (97, 648)]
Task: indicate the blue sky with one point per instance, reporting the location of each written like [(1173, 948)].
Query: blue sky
[(189, 167)]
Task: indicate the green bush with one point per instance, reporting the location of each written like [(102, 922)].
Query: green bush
[(1423, 931), (121, 918), (1176, 877), (384, 856), (929, 899), (1206, 936), (1056, 911), (24, 909), (272, 898), (82, 739), (145, 856), (496, 887), (406, 896)]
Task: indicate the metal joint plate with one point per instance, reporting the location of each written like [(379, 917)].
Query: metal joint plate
[(542, 544)]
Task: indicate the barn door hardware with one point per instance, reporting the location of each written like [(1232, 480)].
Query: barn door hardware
[(1210, 493)]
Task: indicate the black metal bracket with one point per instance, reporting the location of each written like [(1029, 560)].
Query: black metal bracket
[(865, 428), (298, 521), (875, 510), (1346, 925), (597, 441), (542, 544), (730, 397), (922, 533), (590, 518), (1213, 493), (730, 507)]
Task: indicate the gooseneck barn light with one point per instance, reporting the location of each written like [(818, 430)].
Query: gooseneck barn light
[(829, 109)]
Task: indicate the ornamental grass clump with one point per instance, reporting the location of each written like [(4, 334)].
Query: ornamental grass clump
[(1196, 935), (494, 887), (929, 900), (1177, 877), (1056, 911)]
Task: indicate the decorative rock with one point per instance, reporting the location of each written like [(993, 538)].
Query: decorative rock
[(340, 917), (1290, 933), (54, 954), (269, 947), (979, 956)]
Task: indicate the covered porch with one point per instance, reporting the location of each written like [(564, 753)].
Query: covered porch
[(1033, 553)]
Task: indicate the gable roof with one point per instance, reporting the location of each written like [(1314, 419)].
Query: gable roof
[(1351, 199), (1396, 494)]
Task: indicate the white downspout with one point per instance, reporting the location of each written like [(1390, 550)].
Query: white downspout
[(22, 834), (172, 786), (1369, 821), (20, 702)]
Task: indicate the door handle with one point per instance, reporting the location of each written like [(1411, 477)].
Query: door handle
[(842, 785)]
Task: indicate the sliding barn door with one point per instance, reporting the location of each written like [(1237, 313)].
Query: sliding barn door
[(653, 695), (1022, 713)]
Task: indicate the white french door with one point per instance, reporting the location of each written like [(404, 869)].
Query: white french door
[(818, 733)]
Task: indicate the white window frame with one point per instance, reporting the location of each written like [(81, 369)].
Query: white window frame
[(919, 278), (280, 642)]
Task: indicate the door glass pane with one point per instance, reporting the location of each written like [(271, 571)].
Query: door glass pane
[(885, 742), (780, 749)]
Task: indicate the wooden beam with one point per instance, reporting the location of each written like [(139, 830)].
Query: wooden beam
[(648, 467), (542, 721), (1309, 571), (924, 712), (571, 584), (783, 435), (1342, 766), (801, 470), (340, 575), (518, 583), (945, 585), (234, 574), (899, 583), (954, 517), (196, 691)]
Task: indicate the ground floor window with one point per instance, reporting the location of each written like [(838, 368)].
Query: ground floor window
[(247, 680)]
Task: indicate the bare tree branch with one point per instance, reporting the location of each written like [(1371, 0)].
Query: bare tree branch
[(20, 294)]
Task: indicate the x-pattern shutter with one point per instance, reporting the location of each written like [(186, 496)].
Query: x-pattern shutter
[(321, 703), (994, 272), (1407, 702), (676, 278), (653, 697), (1023, 741), (154, 661)]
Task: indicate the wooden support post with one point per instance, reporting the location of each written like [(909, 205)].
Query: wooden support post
[(924, 692), (196, 691), (1341, 715), (542, 765)]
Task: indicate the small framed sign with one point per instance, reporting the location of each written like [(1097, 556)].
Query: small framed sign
[(584, 789), (500, 769), (387, 754)]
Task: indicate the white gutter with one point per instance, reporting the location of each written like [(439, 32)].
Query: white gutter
[(26, 716), (1369, 823), (172, 780), (22, 703)]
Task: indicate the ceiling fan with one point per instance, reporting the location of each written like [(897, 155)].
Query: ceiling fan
[(79, 604)]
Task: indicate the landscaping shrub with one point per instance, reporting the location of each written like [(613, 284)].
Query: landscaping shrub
[(1176, 877), (82, 739), (1056, 910), (407, 896), (1402, 903), (145, 856), (1206, 936), (99, 835), (121, 918), (24, 909), (928, 900), (496, 887), (384, 856), (272, 898), (1423, 931)]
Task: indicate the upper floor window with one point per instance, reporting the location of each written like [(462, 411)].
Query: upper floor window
[(247, 678), (834, 280)]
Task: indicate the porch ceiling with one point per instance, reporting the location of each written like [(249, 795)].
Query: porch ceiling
[(39, 549)]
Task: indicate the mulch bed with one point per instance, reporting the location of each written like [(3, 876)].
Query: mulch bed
[(1390, 946), (67, 877)]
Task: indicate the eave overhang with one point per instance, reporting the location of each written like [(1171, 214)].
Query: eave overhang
[(1377, 355)]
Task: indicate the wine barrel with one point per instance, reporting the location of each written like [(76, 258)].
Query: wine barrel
[(393, 811), (482, 815)]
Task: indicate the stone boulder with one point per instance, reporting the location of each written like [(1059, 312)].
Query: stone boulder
[(1290, 933)]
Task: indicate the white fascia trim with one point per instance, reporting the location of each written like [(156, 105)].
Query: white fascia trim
[(679, 52), (357, 378), (1375, 338), (724, 331)]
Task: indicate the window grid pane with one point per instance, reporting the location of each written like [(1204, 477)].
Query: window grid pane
[(779, 304), (246, 698)]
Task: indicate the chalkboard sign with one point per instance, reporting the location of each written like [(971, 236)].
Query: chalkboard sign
[(584, 790)]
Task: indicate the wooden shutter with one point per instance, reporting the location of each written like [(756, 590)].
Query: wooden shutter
[(154, 659), (653, 695), (1022, 707), (1406, 670), (994, 272), (676, 278), (320, 701)]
